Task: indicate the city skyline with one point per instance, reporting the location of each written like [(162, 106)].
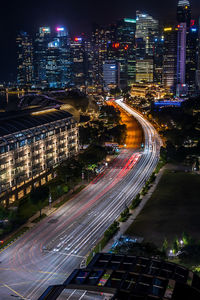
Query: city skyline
[(18, 17)]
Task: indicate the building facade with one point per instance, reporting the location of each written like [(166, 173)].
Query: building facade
[(78, 62), (184, 12), (147, 29), (170, 58), (111, 74), (144, 70), (24, 59), (52, 60), (30, 150), (181, 89)]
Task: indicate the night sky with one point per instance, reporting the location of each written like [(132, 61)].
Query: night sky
[(77, 15)]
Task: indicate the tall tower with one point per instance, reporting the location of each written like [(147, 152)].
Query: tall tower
[(146, 31), (181, 59), (24, 59), (184, 12), (170, 58)]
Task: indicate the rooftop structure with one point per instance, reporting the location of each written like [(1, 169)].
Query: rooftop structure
[(131, 277)]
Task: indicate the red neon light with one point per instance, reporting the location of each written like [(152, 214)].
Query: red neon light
[(126, 47), (115, 45), (192, 23)]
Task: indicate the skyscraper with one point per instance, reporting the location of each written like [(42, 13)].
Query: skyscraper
[(144, 70), (42, 39), (78, 67), (170, 58), (24, 59), (184, 12), (102, 37), (122, 50), (181, 59), (146, 31), (111, 74), (147, 37), (52, 63), (192, 53), (158, 59)]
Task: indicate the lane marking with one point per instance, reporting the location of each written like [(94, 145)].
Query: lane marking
[(82, 295), (25, 282), (22, 297), (35, 271), (71, 294)]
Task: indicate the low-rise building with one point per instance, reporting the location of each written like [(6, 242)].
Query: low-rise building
[(32, 143)]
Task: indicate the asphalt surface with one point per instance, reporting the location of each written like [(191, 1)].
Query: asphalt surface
[(57, 245)]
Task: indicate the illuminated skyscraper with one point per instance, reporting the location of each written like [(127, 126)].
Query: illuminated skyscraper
[(184, 12), (42, 39), (192, 53), (111, 73), (102, 37), (78, 66), (181, 54), (24, 59), (125, 36), (170, 58), (144, 70), (146, 32), (122, 50), (158, 59), (52, 62)]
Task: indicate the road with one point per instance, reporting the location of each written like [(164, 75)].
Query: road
[(49, 252)]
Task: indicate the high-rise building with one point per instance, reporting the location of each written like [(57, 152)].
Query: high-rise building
[(42, 39), (24, 59), (52, 64), (147, 29), (125, 36), (170, 58), (111, 73), (184, 12), (158, 53), (198, 59), (78, 68), (102, 37), (181, 59), (89, 57), (192, 53), (144, 70), (122, 50)]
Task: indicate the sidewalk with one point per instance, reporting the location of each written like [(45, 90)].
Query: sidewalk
[(134, 213), (47, 210)]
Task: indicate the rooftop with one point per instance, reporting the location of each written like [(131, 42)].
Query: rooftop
[(131, 277), (23, 120)]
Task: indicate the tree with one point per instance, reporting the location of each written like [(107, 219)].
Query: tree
[(164, 246), (175, 245), (38, 196)]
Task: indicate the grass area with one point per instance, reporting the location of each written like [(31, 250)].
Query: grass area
[(38, 219), (14, 237), (68, 197), (159, 166), (173, 209), (98, 248)]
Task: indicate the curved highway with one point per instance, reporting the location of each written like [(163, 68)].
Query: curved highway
[(49, 252)]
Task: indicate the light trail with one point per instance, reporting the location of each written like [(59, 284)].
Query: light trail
[(81, 221)]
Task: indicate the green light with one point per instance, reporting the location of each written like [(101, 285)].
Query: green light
[(129, 20)]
